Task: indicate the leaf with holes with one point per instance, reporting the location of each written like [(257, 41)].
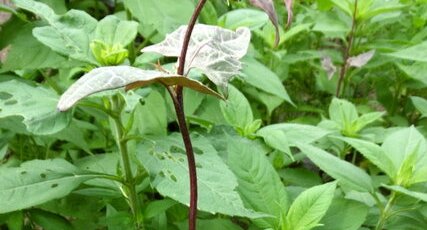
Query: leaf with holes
[(106, 78), (38, 181), (213, 50), (165, 160), (35, 104)]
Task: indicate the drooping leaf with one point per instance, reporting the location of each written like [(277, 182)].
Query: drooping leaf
[(345, 172), (35, 104), (36, 182), (259, 184), (105, 78), (328, 66), (361, 59), (164, 158), (310, 206), (417, 195), (268, 7), (213, 50)]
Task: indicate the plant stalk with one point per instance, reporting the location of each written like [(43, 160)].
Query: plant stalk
[(385, 213), (347, 50), (180, 114), (121, 140)]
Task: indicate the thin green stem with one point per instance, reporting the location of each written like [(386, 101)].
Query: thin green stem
[(385, 213), (121, 140)]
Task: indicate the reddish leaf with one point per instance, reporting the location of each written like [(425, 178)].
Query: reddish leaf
[(288, 4), (268, 7)]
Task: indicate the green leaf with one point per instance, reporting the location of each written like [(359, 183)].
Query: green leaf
[(420, 104), (345, 172), (412, 53), (212, 224), (344, 5), (35, 104), (415, 71), (236, 109), (310, 206), (156, 207), (342, 112), (269, 82), (162, 16), (259, 184), (28, 53), (213, 50), (407, 149), (164, 159), (366, 119), (250, 18), (49, 220), (105, 78), (151, 118), (373, 153), (344, 214), (111, 30), (417, 195), (69, 34), (38, 181)]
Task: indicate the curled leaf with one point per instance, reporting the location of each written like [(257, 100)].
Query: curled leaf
[(328, 66), (361, 59), (288, 4), (268, 7), (213, 50), (105, 78)]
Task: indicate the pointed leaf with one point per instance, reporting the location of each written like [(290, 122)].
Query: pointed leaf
[(417, 195), (38, 181), (213, 50), (412, 53), (361, 59), (420, 104), (105, 78), (259, 184), (310, 206), (268, 7), (345, 172)]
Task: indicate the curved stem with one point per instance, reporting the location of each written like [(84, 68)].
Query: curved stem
[(347, 50), (180, 114)]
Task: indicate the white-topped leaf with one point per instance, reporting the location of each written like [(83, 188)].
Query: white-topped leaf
[(112, 77), (213, 50), (361, 59)]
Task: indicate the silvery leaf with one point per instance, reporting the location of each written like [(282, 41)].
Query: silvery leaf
[(213, 50), (112, 77), (361, 59), (328, 66)]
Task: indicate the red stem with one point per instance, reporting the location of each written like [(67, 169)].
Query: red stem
[(179, 109), (346, 54)]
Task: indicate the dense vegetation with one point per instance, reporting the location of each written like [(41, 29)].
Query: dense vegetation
[(323, 129)]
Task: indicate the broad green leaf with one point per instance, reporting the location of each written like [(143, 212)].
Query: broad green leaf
[(162, 16), (331, 24), (366, 119), (407, 150), (69, 34), (164, 158), (416, 71), (213, 50), (151, 118), (105, 78), (310, 206), (259, 184), (417, 195), (28, 53), (250, 18), (35, 104), (236, 109), (156, 207), (379, 7), (345, 172), (112, 30), (342, 112), (412, 53), (300, 177), (344, 214), (373, 153), (38, 181), (259, 76), (344, 5), (421, 105)]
